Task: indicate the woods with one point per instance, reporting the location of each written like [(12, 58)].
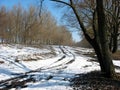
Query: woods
[(60, 44), (31, 26), (98, 20)]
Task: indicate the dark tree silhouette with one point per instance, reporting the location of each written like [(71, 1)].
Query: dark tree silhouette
[(99, 41)]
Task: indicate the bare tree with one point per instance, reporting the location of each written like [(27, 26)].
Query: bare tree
[(113, 22), (3, 28), (31, 27), (99, 41)]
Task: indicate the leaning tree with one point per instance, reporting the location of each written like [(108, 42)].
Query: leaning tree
[(100, 39)]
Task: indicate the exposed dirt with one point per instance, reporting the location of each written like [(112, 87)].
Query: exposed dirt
[(94, 81), (1, 62), (116, 56)]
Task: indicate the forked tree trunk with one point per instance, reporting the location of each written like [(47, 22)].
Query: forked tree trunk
[(99, 55), (100, 44), (105, 60), (106, 57)]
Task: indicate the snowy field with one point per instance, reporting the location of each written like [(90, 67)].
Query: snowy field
[(46, 68)]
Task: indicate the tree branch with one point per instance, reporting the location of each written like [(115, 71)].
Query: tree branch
[(40, 7), (62, 2), (94, 24), (71, 4)]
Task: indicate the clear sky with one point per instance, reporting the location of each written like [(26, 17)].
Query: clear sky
[(57, 13)]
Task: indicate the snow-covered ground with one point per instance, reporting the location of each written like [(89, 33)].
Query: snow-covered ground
[(48, 68)]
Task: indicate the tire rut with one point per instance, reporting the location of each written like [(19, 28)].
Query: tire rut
[(20, 81)]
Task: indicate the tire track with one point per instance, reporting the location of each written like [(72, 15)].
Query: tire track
[(20, 81)]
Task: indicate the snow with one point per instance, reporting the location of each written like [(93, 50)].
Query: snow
[(51, 73), (9, 54), (81, 65), (116, 63)]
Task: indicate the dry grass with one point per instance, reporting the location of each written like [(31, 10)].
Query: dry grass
[(116, 56)]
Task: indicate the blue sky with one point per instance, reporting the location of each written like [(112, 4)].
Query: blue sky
[(57, 13)]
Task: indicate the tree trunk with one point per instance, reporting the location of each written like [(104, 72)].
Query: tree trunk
[(103, 42), (105, 61), (115, 43), (99, 55)]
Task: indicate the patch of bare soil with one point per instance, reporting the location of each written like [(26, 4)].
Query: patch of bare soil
[(116, 56), (1, 62), (94, 81)]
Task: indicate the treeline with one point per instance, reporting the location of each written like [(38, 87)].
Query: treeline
[(31, 26)]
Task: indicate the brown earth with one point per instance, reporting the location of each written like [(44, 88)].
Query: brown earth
[(94, 81)]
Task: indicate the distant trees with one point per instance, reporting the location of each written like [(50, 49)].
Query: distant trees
[(83, 43), (3, 24), (31, 26), (112, 13), (90, 16)]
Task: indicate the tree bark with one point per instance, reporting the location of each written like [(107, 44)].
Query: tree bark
[(104, 46)]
